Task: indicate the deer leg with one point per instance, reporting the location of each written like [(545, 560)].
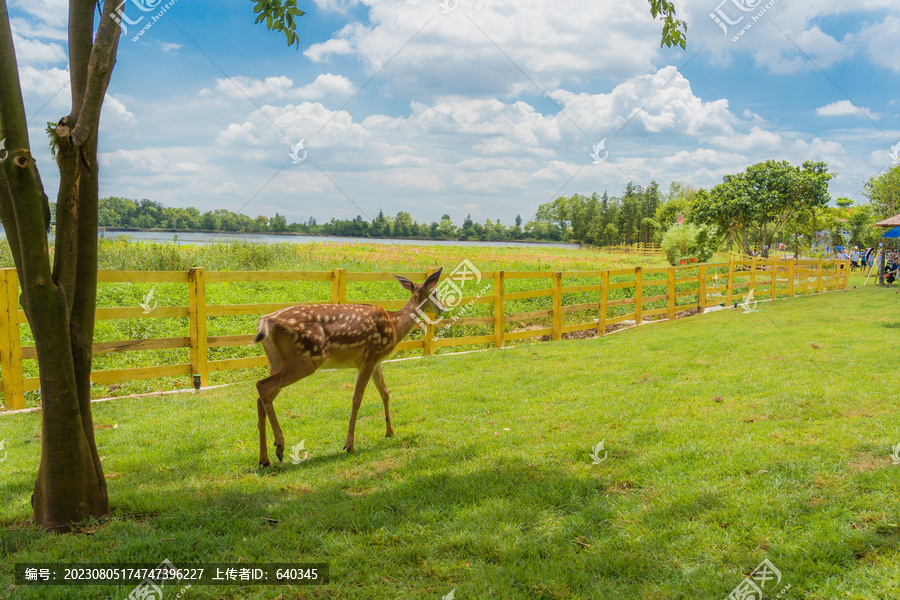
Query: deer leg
[(378, 378), (261, 425), (362, 379), (268, 388)]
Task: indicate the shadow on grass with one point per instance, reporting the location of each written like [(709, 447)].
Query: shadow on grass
[(533, 529)]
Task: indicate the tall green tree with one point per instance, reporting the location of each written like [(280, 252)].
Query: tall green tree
[(884, 192), (759, 202), (381, 227), (403, 225), (59, 294), (278, 223)]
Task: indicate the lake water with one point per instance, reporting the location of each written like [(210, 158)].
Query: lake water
[(206, 238)]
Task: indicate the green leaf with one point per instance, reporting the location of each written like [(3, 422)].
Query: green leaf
[(280, 18)]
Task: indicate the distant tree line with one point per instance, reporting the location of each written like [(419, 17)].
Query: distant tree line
[(146, 214), (595, 220)]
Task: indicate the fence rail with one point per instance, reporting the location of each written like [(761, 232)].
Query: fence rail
[(643, 249), (615, 296)]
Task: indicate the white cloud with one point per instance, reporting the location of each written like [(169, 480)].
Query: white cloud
[(156, 162), (819, 149), (115, 116), (781, 55), (281, 87), (48, 89), (661, 102), (880, 42), (323, 51), (326, 84), (789, 34), (758, 140), (703, 157), (46, 18), (239, 87), (340, 6), (43, 82), (845, 108), (35, 52), (429, 50)]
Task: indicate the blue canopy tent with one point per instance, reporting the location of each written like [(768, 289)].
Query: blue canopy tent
[(892, 231)]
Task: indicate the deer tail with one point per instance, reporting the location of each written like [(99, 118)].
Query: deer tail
[(262, 330)]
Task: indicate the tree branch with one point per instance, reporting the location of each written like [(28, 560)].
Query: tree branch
[(23, 195), (100, 66), (81, 28)]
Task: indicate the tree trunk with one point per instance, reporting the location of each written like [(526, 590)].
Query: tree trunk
[(60, 300), (70, 486)]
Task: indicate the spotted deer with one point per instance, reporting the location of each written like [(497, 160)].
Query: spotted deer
[(302, 339)]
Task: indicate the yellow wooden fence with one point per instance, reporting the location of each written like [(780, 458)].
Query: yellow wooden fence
[(648, 249), (702, 284)]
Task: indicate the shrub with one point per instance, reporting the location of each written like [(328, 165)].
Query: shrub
[(689, 240)]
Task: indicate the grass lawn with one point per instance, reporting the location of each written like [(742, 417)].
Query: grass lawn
[(729, 438)]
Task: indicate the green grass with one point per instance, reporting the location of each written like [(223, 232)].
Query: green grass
[(731, 438)]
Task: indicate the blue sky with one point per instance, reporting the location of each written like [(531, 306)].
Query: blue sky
[(487, 108)]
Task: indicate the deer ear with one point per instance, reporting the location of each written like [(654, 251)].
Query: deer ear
[(433, 279), (405, 282)]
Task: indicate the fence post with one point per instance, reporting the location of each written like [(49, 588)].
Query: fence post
[(671, 294), (638, 296), (339, 287), (557, 306), (10, 344), (428, 341), (818, 276), (774, 276), (498, 309), (791, 276), (729, 295), (604, 298), (197, 317), (701, 289), (335, 286), (752, 275)]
